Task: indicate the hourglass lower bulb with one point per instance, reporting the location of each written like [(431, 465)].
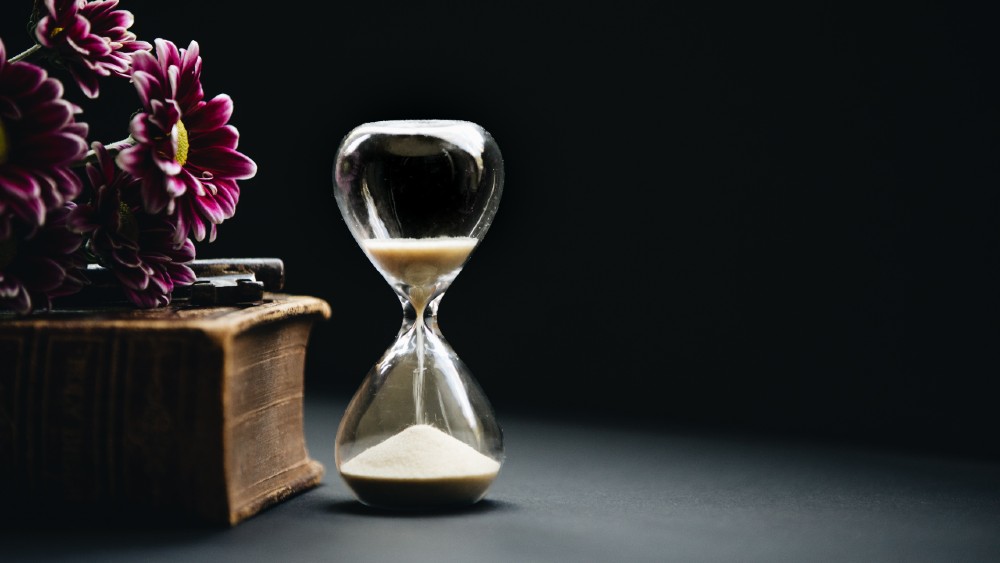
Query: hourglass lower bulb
[(418, 196)]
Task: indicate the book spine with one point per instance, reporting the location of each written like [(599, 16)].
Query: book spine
[(108, 415), (167, 399), (14, 359), (55, 408)]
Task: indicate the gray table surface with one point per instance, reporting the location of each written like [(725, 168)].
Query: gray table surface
[(573, 491)]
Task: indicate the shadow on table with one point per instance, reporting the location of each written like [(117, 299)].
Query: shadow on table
[(355, 508), (50, 532), (51, 515)]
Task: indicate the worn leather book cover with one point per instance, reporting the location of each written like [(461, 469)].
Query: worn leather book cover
[(192, 411)]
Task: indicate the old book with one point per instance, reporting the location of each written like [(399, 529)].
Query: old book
[(196, 411)]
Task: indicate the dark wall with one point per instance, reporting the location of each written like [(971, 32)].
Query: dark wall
[(771, 219)]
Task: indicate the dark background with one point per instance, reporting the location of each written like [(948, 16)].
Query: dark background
[(765, 219)]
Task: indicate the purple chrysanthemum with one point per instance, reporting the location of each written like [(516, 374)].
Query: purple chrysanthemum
[(39, 140), (186, 150), (139, 248), (45, 264), (92, 39)]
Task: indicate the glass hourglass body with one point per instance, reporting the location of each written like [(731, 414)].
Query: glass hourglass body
[(418, 196)]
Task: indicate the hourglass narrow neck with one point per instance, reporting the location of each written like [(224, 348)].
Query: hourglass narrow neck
[(418, 307)]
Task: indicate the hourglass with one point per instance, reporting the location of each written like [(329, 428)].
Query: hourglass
[(418, 196)]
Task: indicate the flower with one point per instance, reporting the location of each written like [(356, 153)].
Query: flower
[(136, 246), (185, 150), (45, 264), (40, 140), (92, 39), (170, 182)]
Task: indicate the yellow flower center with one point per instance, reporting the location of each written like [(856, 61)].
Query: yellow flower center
[(8, 250), (181, 134), (56, 31), (127, 225), (3, 143)]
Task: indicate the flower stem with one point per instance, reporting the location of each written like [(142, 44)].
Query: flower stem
[(119, 145), (112, 148), (27, 53)]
